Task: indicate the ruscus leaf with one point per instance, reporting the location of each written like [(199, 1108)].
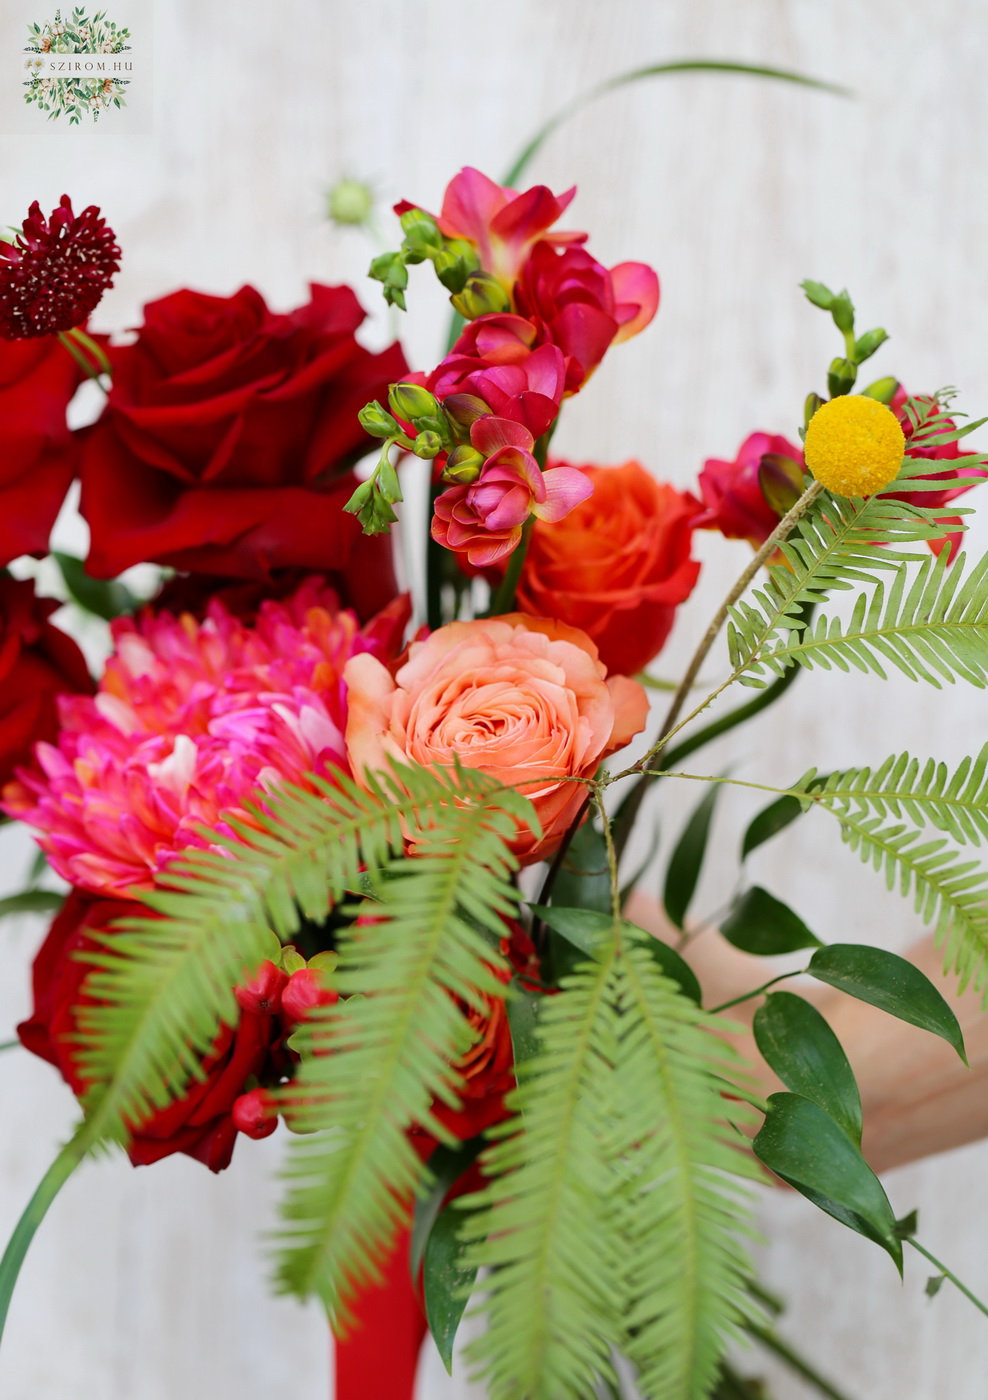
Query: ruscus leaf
[(796, 1041), (761, 924)]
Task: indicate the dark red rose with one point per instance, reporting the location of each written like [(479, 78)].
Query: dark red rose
[(37, 380), (37, 663), (201, 1123), (226, 443)]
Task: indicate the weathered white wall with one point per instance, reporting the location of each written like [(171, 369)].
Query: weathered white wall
[(149, 1285)]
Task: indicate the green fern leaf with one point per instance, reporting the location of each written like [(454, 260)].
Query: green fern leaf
[(164, 983), (934, 629), (372, 1065), (684, 1212)]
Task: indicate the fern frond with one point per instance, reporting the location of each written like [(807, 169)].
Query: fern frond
[(927, 794), (934, 629), (684, 1212), (552, 1302), (949, 893), (614, 1219), (164, 982), (372, 1065), (843, 542)]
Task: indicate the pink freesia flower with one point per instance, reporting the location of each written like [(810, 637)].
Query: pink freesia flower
[(958, 479), (190, 721), (484, 519), (501, 222), (733, 501), (494, 364), (577, 304)]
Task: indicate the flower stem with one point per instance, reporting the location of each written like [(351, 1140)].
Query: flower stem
[(774, 1343), (73, 344), (947, 1274), (9, 1045), (747, 996), (504, 598)]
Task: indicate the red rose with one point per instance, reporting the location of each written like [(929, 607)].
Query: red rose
[(201, 1123), (225, 445), (733, 500), (37, 380), (616, 567), (37, 663)]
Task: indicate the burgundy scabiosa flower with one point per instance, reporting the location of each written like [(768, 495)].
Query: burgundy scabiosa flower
[(55, 271)]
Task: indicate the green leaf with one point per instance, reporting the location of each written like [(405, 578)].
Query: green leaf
[(800, 1046), (447, 1165), (31, 902), (801, 1144), (591, 934), (584, 881), (891, 983), (34, 1213), (523, 1021), (447, 1281), (104, 598), (686, 861), (769, 822), (761, 924)]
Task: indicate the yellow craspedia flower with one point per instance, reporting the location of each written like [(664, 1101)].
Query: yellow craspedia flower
[(854, 445)]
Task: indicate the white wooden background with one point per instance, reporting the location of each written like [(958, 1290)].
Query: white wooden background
[(151, 1285)]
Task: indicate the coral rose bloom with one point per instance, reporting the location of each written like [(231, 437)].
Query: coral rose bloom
[(522, 699), (618, 566)]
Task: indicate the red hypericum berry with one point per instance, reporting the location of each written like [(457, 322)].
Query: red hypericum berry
[(306, 989), (254, 1114), (54, 273), (262, 994)]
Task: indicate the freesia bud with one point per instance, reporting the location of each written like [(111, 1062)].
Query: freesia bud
[(866, 345), (842, 310), (422, 236), (818, 294), (813, 402), (255, 1114), (884, 390), (262, 994), (482, 295), (427, 445), (841, 377), (463, 465), (462, 411), (376, 420), (411, 402), (781, 481), (452, 269)]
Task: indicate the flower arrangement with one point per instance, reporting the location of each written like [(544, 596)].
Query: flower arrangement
[(349, 861)]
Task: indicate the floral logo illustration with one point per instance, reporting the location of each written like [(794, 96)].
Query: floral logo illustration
[(74, 66)]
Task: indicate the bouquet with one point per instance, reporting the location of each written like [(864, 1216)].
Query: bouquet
[(348, 860)]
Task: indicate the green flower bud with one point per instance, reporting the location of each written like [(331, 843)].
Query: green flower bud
[(350, 202), (376, 420), (360, 498), (884, 390), (387, 482), (451, 269), (422, 236), (866, 345), (781, 480), (813, 402), (818, 294), (481, 296), (842, 310), (841, 377), (390, 269), (427, 445), (411, 402), (462, 411), (463, 465)]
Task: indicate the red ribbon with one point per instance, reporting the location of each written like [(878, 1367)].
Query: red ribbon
[(379, 1357)]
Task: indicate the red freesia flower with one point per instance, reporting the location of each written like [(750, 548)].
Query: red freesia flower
[(500, 222), (577, 304), (37, 663), (200, 1123), (226, 443), (494, 360), (54, 273), (37, 380), (617, 567), (733, 500), (484, 520), (957, 479)]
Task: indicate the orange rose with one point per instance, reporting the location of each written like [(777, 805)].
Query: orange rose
[(616, 566), (519, 698)]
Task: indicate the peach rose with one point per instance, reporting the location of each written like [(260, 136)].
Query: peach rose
[(520, 698)]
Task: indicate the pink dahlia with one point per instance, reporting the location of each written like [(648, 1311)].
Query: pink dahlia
[(191, 719), (54, 273)]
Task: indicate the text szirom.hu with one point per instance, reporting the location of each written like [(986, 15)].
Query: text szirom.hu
[(72, 64)]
